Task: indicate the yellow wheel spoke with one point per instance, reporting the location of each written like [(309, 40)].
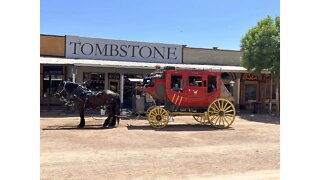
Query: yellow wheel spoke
[(213, 117), (214, 110), (219, 105), (217, 120), (227, 108), (214, 107), (217, 108), (229, 115), (222, 119), (229, 111), (227, 121)]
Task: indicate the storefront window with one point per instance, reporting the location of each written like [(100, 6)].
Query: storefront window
[(129, 89), (95, 81), (52, 76), (251, 92)]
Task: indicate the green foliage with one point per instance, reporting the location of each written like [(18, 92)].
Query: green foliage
[(261, 47)]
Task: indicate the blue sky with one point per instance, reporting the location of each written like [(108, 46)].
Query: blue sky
[(195, 23)]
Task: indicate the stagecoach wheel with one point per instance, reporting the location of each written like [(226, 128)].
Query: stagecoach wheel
[(158, 117), (200, 119), (148, 110), (221, 113)]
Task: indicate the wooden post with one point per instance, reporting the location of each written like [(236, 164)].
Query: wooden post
[(277, 99), (270, 96), (238, 92)]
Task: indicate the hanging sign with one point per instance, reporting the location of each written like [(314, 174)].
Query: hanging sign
[(108, 49)]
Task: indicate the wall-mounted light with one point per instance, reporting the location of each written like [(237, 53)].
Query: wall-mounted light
[(232, 83)]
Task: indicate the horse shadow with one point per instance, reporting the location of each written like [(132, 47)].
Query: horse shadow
[(87, 127)]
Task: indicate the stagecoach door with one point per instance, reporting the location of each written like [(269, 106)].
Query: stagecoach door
[(196, 87)]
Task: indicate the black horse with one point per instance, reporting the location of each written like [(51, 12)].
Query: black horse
[(83, 98)]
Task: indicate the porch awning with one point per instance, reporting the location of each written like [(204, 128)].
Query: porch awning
[(136, 65)]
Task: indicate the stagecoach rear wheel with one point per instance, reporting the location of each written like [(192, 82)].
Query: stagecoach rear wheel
[(221, 113), (200, 119), (158, 117)]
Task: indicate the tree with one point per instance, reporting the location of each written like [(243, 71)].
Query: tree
[(261, 48)]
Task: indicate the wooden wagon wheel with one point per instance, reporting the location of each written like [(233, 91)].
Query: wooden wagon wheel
[(148, 110), (200, 119), (221, 113), (158, 117)]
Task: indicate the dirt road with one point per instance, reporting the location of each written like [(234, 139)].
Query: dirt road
[(183, 150)]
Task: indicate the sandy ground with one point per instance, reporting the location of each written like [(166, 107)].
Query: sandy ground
[(184, 149)]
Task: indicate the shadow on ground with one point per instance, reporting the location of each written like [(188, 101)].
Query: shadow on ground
[(178, 127), (263, 118), (87, 127)]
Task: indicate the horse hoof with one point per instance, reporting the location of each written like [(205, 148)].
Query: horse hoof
[(80, 126)]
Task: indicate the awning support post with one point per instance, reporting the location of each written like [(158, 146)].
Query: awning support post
[(74, 72), (121, 87)]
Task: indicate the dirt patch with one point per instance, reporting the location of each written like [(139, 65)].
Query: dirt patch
[(183, 150)]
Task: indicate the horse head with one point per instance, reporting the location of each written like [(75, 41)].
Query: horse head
[(61, 90)]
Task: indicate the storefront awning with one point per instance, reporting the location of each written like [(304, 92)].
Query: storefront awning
[(136, 65)]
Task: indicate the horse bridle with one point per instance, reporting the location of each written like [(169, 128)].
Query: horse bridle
[(61, 97), (64, 89)]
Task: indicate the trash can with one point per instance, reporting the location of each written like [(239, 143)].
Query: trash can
[(257, 108)]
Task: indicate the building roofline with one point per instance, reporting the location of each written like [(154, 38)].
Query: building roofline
[(211, 49), (52, 35)]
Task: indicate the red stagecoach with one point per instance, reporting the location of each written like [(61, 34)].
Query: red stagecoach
[(200, 93)]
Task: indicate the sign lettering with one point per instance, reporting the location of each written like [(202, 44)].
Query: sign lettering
[(107, 49)]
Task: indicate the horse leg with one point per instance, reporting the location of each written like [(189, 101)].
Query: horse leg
[(113, 121), (107, 121), (118, 120), (82, 120)]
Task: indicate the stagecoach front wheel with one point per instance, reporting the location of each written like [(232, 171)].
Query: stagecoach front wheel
[(158, 117), (148, 111), (200, 119), (221, 113)]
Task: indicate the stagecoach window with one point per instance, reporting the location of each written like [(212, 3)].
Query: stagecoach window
[(176, 79), (195, 81), (95, 81), (212, 83)]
